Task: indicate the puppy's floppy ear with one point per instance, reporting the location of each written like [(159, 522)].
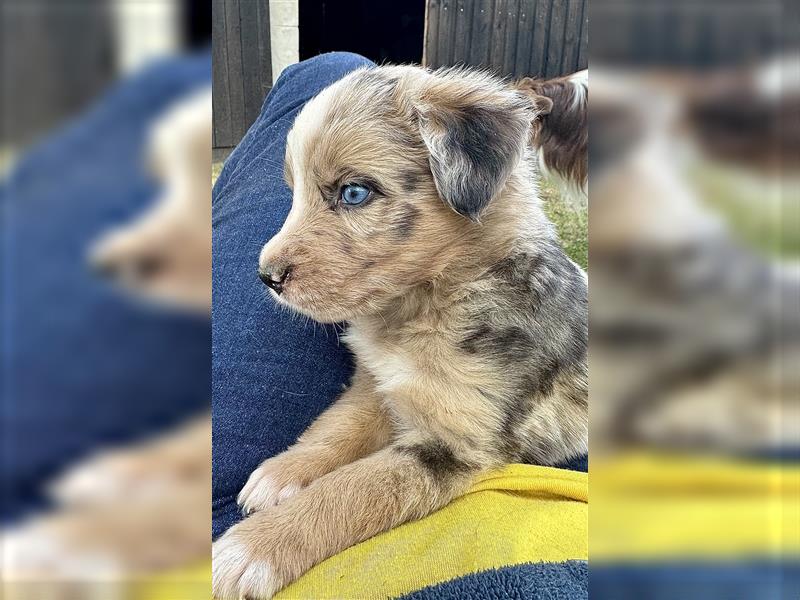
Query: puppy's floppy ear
[(544, 105), (532, 88), (475, 129)]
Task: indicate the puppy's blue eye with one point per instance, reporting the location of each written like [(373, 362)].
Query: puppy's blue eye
[(353, 194)]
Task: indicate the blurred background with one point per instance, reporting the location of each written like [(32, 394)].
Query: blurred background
[(695, 291), (58, 56), (105, 475)]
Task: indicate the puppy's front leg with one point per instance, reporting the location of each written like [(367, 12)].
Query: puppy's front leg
[(353, 427), (270, 549)]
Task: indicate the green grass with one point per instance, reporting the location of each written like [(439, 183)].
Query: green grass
[(571, 222), (215, 169)]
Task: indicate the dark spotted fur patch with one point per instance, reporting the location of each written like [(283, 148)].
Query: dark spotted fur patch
[(411, 180), (407, 221), (483, 141), (438, 458), (534, 328)]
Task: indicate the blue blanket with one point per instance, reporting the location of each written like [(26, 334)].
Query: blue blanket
[(539, 581)]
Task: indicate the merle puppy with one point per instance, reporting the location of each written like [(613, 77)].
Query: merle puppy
[(415, 218)]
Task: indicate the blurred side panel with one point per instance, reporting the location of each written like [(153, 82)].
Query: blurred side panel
[(105, 357), (144, 30), (695, 299)]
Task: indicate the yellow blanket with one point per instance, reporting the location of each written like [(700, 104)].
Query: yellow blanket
[(519, 514), (645, 508)]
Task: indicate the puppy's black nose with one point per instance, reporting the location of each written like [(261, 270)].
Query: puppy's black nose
[(274, 276)]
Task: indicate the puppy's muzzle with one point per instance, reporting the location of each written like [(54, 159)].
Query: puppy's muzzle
[(274, 276)]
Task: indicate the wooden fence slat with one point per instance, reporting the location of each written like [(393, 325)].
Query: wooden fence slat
[(223, 131), (235, 75), (541, 29), (555, 38), (446, 31), (251, 60), (264, 48), (512, 32), (527, 18), (572, 33), (497, 43), (462, 31), (430, 52), (583, 46), (481, 30)]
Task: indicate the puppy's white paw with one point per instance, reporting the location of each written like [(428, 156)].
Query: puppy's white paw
[(275, 481), (238, 574), (262, 492)]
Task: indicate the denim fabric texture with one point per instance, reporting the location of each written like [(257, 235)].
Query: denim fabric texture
[(273, 372), (85, 365)]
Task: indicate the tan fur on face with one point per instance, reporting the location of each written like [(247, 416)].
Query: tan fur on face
[(352, 261)]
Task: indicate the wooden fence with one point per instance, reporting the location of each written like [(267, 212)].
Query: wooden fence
[(515, 37), (242, 68), (542, 38)]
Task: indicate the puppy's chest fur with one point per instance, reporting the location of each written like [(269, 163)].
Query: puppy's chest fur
[(496, 364), (418, 372)]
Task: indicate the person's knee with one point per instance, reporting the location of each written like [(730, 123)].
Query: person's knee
[(324, 68)]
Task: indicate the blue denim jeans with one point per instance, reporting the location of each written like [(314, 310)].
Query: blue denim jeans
[(273, 373)]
